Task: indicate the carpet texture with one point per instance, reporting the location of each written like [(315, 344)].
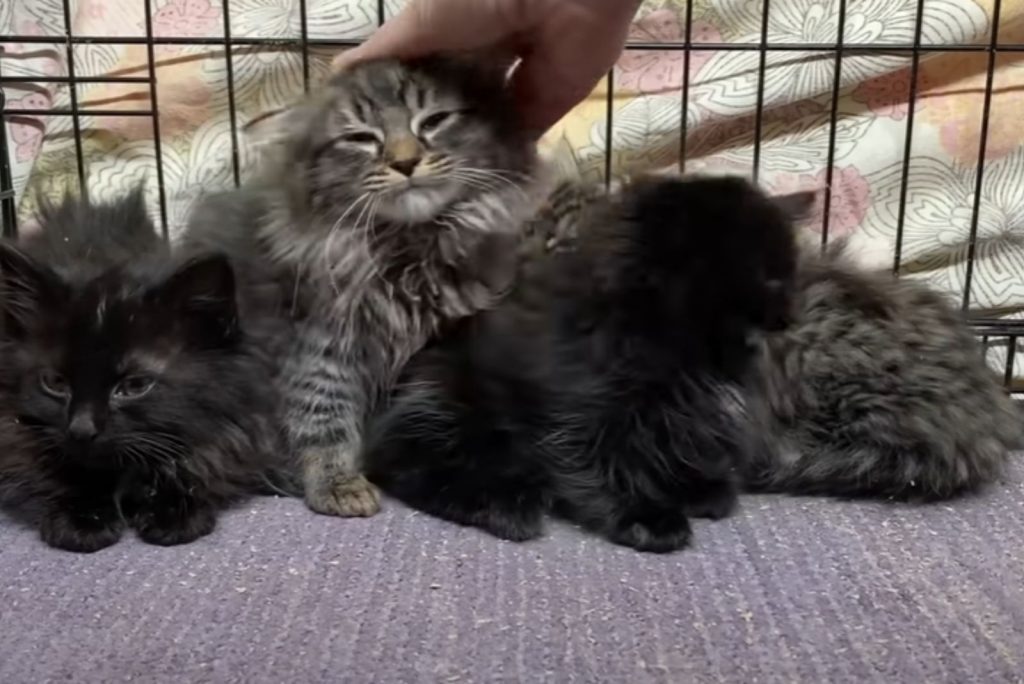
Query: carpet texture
[(790, 590)]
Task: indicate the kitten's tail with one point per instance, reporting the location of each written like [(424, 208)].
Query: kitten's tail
[(876, 471)]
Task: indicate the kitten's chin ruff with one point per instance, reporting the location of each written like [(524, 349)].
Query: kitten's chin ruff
[(418, 204), (97, 454)]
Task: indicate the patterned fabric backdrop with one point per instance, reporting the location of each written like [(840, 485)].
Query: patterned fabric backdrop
[(869, 140)]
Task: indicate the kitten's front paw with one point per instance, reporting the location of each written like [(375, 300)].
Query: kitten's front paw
[(346, 496), (652, 531), (171, 530), (82, 534)]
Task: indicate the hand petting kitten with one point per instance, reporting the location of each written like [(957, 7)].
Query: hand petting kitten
[(390, 204)]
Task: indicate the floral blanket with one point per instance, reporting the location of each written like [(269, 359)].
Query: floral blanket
[(868, 150)]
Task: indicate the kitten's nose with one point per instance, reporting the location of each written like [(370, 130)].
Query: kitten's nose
[(82, 426), (406, 167)]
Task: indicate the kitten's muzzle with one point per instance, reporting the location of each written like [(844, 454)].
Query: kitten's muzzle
[(83, 428), (406, 166)]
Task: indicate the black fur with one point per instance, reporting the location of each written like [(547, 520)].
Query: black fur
[(605, 389), (877, 387), (130, 393)]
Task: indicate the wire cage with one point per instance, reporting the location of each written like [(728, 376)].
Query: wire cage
[(832, 59)]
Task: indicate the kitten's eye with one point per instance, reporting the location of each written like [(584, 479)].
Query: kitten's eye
[(54, 384), (134, 386), (360, 137), (433, 121)]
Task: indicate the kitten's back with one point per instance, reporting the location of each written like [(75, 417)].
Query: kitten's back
[(878, 388)]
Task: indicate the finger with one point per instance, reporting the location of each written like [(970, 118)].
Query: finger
[(436, 26), (544, 99), (553, 78)]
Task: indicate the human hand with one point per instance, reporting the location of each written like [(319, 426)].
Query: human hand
[(565, 46)]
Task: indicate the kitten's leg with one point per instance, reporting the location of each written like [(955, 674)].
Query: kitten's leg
[(333, 484), (622, 512), (173, 513), (433, 461), (327, 403), (647, 526), (661, 526), (84, 517)]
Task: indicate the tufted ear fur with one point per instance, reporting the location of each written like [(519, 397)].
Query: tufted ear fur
[(28, 290), (201, 295), (278, 126), (796, 206)]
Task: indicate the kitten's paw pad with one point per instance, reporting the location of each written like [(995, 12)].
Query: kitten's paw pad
[(181, 531), (79, 536), (662, 533), (351, 497)]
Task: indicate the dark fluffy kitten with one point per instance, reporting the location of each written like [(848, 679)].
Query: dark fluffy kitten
[(130, 394), (877, 388), (388, 205), (605, 389)]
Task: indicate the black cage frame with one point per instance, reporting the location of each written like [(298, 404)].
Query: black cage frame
[(990, 330)]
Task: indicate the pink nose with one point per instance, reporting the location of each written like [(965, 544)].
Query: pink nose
[(405, 166)]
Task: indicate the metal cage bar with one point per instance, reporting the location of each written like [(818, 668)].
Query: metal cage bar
[(154, 107), (993, 332), (229, 65), (833, 121), (979, 172), (908, 141)]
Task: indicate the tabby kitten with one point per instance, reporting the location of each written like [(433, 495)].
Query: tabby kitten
[(390, 203), (605, 389), (132, 393), (877, 388)]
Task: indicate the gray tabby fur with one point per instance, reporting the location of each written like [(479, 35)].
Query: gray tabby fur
[(876, 388), (359, 264)]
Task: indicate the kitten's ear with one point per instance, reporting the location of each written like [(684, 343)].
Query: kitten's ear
[(135, 204), (201, 293), (275, 126), (27, 290), (48, 211), (798, 205)]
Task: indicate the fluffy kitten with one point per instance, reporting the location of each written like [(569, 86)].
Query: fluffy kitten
[(605, 388), (876, 388), (390, 204), (129, 395)]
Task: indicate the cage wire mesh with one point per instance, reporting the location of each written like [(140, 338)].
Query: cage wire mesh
[(902, 112)]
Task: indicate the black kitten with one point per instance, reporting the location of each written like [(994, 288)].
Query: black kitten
[(131, 389), (605, 389)]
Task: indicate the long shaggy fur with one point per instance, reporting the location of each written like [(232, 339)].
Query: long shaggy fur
[(877, 388), (390, 205), (606, 388), (129, 393)]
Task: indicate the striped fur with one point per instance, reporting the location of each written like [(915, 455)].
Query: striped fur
[(369, 264)]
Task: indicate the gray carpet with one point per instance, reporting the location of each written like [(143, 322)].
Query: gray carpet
[(787, 591)]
